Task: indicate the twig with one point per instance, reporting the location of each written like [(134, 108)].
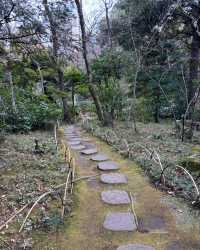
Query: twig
[(13, 216), (36, 202), (85, 177), (133, 210), (193, 181), (160, 164), (55, 136)]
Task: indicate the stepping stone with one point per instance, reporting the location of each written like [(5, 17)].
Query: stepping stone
[(72, 136), (90, 151), (108, 165), (135, 247), (120, 222), (99, 157), (114, 178), (75, 139), (73, 143), (78, 147), (115, 197)]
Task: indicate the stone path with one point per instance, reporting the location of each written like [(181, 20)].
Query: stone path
[(107, 166), (120, 222), (114, 178), (135, 247), (114, 221), (115, 197), (102, 218), (89, 151), (99, 157)]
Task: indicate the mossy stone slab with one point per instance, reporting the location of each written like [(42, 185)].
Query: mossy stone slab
[(108, 166), (73, 143), (135, 247), (120, 222), (115, 197), (99, 157), (78, 147), (90, 151), (113, 178)]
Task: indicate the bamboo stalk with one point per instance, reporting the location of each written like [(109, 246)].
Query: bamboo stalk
[(65, 195), (73, 174)]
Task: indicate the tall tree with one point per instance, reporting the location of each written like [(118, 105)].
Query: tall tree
[(108, 5), (91, 86), (54, 29)]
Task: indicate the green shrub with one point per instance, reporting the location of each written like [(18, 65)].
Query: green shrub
[(32, 111), (144, 110)]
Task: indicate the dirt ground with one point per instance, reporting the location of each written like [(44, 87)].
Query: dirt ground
[(24, 175)]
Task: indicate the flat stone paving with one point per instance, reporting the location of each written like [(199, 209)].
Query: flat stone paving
[(99, 157), (78, 147), (115, 197), (107, 166), (90, 151), (120, 222), (73, 143), (135, 247), (74, 138), (113, 178)]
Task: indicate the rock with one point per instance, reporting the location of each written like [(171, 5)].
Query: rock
[(113, 178), (89, 151), (115, 197), (135, 247), (73, 143), (75, 139), (78, 147), (120, 222), (108, 165), (99, 157)]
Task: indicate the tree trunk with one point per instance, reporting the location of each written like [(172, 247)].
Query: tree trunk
[(40, 73), (73, 96), (92, 88), (55, 44), (10, 80), (108, 25), (66, 115), (157, 106), (193, 72)]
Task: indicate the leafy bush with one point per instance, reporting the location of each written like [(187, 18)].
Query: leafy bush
[(112, 98), (33, 112)]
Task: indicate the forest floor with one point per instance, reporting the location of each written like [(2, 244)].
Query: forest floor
[(161, 137), (24, 176), (158, 138)]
